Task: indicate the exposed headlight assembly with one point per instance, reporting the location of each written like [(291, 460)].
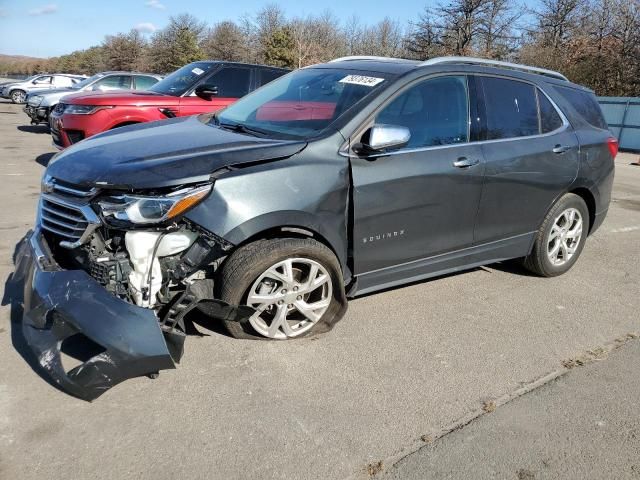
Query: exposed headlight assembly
[(85, 109), (35, 101), (138, 209)]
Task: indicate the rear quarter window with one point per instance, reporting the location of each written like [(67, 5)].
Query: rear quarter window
[(585, 104), (511, 108)]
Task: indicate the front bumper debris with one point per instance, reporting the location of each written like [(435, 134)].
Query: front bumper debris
[(121, 340), (61, 304), (37, 114)]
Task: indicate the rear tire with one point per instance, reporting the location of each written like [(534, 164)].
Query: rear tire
[(561, 237), (260, 269)]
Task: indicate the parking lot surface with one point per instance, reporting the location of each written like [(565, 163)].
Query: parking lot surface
[(402, 365)]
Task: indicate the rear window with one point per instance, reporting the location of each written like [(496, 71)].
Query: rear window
[(511, 106), (585, 104)]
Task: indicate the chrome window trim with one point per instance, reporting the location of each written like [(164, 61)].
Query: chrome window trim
[(345, 149)]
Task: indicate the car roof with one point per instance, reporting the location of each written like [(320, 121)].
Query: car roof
[(224, 62), (399, 66)]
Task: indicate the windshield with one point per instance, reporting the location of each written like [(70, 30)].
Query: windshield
[(181, 80), (86, 81), (301, 104)]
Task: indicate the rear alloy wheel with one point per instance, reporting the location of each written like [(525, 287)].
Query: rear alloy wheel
[(294, 284), (561, 237), (18, 96)]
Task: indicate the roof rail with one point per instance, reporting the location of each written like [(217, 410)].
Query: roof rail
[(363, 57), (494, 63)]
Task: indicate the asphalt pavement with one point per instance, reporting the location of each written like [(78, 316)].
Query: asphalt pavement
[(405, 365)]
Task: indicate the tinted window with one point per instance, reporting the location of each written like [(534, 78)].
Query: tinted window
[(511, 108), (585, 104), (549, 118), (183, 79), (113, 82), (144, 83), (435, 111), (265, 76), (232, 82)]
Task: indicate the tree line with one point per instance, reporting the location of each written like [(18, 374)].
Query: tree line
[(594, 42)]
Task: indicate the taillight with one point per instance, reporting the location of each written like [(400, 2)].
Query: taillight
[(612, 143)]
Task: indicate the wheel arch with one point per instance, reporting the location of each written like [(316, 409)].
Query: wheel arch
[(124, 124), (290, 225), (590, 199)]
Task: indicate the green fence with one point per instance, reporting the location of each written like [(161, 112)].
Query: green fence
[(623, 116)]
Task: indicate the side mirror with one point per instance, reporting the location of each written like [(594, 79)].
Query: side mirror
[(381, 138), (206, 91)]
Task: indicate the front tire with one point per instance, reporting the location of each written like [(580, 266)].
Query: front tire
[(295, 284), (18, 96), (561, 237)]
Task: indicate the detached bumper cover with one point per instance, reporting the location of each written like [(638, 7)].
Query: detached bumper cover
[(59, 304), (37, 114)]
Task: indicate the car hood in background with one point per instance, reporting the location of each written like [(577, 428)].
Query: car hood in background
[(122, 97), (161, 154)]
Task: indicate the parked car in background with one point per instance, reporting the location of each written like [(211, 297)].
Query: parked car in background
[(17, 91), (41, 102), (334, 181), (196, 88)]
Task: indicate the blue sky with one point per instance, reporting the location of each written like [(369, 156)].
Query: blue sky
[(44, 28)]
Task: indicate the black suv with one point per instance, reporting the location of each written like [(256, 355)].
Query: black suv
[(330, 182)]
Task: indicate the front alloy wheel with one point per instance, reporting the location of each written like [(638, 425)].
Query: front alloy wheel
[(18, 96), (295, 286), (290, 297)]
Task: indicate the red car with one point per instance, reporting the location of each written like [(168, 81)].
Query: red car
[(199, 87)]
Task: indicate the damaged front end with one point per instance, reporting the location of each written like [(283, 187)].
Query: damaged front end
[(93, 277)]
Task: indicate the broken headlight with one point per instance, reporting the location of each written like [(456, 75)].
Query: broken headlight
[(139, 209)]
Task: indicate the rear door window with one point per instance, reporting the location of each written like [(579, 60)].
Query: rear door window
[(144, 82), (232, 82), (60, 81), (113, 82), (266, 75), (44, 80), (550, 119), (436, 112), (585, 104), (511, 108)]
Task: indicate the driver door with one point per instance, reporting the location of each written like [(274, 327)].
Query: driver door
[(232, 82), (419, 201)]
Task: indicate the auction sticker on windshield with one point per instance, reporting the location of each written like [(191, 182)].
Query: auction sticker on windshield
[(198, 71), (362, 80)]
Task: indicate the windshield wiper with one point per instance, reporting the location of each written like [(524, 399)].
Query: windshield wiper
[(241, 128)]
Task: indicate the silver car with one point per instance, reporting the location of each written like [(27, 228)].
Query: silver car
[(18, 91), (40, 103)]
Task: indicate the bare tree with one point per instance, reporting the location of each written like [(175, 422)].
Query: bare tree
[(226, 41)]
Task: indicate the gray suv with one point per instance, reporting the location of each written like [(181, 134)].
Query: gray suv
[(40, 103), (333, 181)]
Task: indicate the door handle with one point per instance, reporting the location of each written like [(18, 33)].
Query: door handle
[(561, 148), (464, 162)]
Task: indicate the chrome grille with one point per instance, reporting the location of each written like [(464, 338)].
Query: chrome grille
[(65, 211), (62, 219)]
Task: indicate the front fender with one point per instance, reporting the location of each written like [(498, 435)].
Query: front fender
[(286, 193)]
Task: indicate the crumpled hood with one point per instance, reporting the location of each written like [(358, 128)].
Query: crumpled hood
[(161, 154)]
